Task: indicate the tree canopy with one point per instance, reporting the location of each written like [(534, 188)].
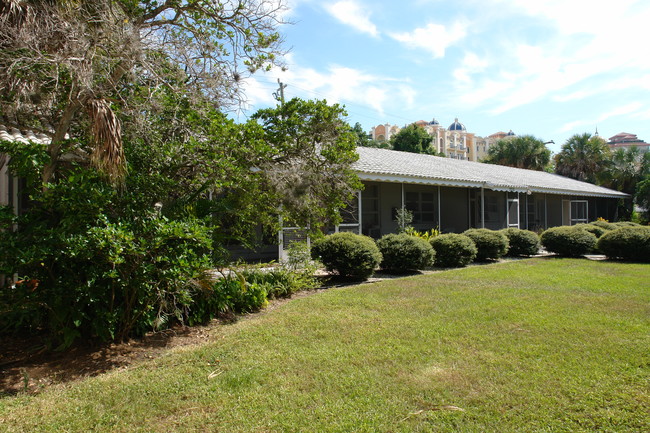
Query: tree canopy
[(583, 157), (413, 138), (73, 66), (524, 151)]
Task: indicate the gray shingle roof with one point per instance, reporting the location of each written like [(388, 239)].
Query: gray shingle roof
[(393, 166)]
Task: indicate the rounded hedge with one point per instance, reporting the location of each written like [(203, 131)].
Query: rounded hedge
[(348, 254), (620, 224), (402, 253), (453, 250), (603, 224), (568, 241), (626, 243), (490, 244), (522, 242), (596, 230)]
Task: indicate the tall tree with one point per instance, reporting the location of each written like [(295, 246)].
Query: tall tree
[(583, 157), (413, 138), (73, 64), (524, 151), (624, 170)]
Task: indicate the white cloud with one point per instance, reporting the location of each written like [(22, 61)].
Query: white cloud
[(629, 109), (434, 38), (339, 84), (351, 13), (471, 65), (580, 48)]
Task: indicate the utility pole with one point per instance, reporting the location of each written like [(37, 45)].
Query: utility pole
[(279, 95)]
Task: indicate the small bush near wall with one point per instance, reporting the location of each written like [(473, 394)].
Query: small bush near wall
[(568, 241), (403, 252), (593, 228), (348, 254), (603, 224), (522, 242), (619, 224), (453, 250), (490, 244), (626, 243)]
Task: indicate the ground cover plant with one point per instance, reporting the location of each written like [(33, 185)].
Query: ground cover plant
[(535, 345)]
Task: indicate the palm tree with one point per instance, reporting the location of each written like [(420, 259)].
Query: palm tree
[(525, 151), (583, 157)]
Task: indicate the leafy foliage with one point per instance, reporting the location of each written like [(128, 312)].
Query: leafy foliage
[(521, 242), (583, 157), (524, 151), (626, 243), (568, 241), (453, 250), (490, 244), (403, 252), (348, 254), (426, 235), (413, 138)]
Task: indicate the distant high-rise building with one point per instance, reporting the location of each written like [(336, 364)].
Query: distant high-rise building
[(625, 140)]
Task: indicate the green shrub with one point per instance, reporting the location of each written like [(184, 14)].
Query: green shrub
[(403, 252), (348, 254), (626, 243), (521, 242), (603, 224), (620, 224), (596, 230), (281, 281), (453, 250), (490, 244), (568, 241)]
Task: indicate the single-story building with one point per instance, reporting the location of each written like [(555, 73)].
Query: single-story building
[(448, 194), (454, 195)]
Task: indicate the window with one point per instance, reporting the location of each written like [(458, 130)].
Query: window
[(423, 206), (579, 212)]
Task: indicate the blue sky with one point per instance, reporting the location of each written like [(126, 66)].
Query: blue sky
[(550, 68)]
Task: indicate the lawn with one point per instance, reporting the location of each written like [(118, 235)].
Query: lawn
[(539, 345)]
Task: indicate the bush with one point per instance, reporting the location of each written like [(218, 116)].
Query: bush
[(522, 242), (603, 224), (626, 243), (568, 241), (402, 252), (348, 254), (453, 250), (490, 244), (594, 229), (620, 224)]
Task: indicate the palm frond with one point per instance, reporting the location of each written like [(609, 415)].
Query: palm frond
[(108, 153)]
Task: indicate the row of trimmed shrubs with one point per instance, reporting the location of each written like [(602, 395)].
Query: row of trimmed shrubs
[(622, 240), (357, 256)]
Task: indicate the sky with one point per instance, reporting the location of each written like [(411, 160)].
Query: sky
[(549, 68)]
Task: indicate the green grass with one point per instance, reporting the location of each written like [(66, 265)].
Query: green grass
[(540, 345)]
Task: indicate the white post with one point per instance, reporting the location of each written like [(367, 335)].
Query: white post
[(360, 231), (439, 212)]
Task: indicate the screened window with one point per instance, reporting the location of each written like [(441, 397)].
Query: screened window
[(579, 212), (422, 205)]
